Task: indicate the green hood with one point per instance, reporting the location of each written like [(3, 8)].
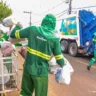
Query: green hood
[(47, 28)]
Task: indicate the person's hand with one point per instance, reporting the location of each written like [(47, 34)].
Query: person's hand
[(23, 52), (19, 24)]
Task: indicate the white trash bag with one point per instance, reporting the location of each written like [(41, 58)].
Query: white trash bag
[(53, 66), (69, 65), (7, 48), (6, 78), (9, 21), (52, 61), (63, 75)]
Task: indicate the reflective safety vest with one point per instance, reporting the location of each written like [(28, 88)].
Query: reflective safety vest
[(39, 50)]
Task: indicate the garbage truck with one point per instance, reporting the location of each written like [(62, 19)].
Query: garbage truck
[(76, 33)]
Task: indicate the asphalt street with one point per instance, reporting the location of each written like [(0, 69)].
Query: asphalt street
[(83, 82)]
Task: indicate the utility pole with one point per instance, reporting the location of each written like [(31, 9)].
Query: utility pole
[(29, 12), (70, 5)]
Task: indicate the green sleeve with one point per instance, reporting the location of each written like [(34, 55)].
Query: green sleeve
[(58, 54), (18, 44), (4, 37), (20, 33)]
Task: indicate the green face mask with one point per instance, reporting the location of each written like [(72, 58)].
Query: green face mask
[(48, 26), (49, 22)]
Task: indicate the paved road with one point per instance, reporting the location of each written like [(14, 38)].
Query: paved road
[(83, 82)]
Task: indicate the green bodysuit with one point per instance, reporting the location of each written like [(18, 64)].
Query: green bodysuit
[(94, 58), (42, 42)]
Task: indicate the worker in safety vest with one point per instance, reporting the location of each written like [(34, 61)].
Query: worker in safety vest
[(94, 58), (42, 42)]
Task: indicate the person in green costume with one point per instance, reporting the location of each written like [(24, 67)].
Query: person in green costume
[(42, 43), (94, 58)]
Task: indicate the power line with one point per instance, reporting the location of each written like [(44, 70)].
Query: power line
[(55, 14), (56, 20), (61, 13), (52, 8), (45, 11), (36, 22), (64, 12), (84, 7)]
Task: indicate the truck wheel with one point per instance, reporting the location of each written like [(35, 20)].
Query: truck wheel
[(64, 46), (73, 50)]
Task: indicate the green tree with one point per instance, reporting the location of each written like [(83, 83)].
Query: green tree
[(5, 11)]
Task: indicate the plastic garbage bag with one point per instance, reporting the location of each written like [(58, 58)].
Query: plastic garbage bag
[(7, 51), (5, 71), (52, 61), (6, 48), (63, 75), (9, 21), (5, 44), (69, 65), (53, 66), (53, 69)]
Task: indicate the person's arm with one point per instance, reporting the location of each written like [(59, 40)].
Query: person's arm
[(18, 44), (4, 37), (58, 54), (14, 41), (20, 33)]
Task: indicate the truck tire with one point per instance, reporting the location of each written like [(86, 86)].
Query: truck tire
[(64, 46), (73, 50)]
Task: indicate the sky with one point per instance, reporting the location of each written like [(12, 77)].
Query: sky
[(40, 8)]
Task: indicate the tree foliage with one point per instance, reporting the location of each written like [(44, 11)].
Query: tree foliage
[(5, 11)]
